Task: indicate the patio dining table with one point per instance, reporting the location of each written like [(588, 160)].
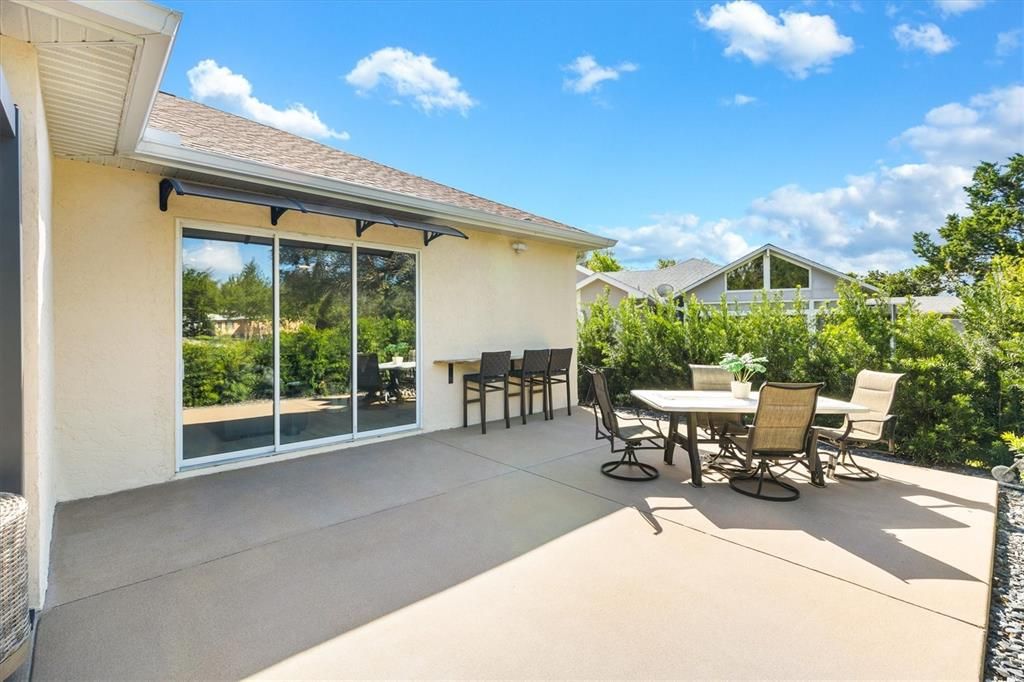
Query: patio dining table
[(688, 404)]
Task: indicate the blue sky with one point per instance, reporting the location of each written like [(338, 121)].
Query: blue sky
[(835, 129)]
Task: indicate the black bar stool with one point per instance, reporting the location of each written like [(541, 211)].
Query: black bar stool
[(493, 376), (530, 377), (558, 373)]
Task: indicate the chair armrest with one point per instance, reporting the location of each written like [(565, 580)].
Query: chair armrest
[(634, 414)]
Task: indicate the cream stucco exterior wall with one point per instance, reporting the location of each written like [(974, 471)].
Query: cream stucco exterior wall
[(21, 68), (116, 350)]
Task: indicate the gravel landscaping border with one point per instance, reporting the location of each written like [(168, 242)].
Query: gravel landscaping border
[(1004, 659)]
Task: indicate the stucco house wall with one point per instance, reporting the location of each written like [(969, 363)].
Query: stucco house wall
[(21, 68), (116, 326), (591, 292)]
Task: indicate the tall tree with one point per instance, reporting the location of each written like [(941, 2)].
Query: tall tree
[(918, 281), (994, 227), (603, 261), (199, 300), (666, 263), (247, 295)]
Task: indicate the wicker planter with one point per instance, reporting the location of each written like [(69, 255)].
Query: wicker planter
[(15, 627)]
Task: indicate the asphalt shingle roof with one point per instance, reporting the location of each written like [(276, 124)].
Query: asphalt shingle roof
[(679, 276), (204, 128)]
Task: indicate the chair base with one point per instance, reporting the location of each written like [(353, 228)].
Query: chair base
[(851, 470), (759, 474), (646, 471)]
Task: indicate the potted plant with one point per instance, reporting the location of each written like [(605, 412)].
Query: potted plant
[(743, 368)]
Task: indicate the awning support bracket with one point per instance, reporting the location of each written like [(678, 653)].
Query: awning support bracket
[(166, 187), (275, 213), (430, 236), (363, 226)]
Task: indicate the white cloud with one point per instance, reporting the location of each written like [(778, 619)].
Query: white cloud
[(680, 235), (209, 81), (954, 7), (1008, 43), (222, 259), (989, 128), (739, 100), (927, 37), (589, 74), (796, 42), (414, 76), (865, 222)]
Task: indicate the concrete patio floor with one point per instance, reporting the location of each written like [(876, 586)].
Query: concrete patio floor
[(457, 555)]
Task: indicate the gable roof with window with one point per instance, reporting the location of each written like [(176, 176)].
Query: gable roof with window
[(791, 263)]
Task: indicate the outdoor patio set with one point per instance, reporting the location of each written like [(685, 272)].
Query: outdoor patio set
[(753, 456)]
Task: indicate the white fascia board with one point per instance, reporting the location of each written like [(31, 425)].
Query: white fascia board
[(632, 291), (154, 150)]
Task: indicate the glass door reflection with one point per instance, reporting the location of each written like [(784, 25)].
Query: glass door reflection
[(227, 304), (315, 341), (386, 331)]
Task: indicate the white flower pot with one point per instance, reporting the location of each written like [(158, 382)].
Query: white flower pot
[(397, 359), (741, 389)]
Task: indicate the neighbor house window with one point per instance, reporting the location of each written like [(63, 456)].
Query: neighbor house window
[(788, 275), (286, 343), (748, 276)]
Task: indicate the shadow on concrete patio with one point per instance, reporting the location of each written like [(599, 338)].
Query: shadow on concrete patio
[(455, 555)]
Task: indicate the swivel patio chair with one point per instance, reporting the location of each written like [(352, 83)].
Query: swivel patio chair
[(492, 377), (558, 373), (781, 434), (874, 390), (530, 377), (715, 424), (633, 436)]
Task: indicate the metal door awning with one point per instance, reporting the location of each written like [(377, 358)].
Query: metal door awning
[(280, 204)]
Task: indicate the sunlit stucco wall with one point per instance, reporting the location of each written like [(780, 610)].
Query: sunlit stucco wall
[(116, 329)]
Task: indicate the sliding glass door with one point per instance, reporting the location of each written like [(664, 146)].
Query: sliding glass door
[(287, 343), (386, 380), (315, 346), (227, 305)]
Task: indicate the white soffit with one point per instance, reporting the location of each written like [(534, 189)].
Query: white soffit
[(84, 88), (99, 67)]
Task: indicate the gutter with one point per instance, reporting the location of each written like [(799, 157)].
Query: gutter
[(160, 148)]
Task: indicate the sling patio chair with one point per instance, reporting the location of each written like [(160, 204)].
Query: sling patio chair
[(492, 377), (716, 424), (782, 434), (639, 436), (531, 377), (875, 391)]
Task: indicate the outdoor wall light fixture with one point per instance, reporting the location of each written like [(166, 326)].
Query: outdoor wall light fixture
[(518, 247)]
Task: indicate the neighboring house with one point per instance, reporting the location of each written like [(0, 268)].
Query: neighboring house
[(741, 282), (637, 283), (110, 189), (946, 307)]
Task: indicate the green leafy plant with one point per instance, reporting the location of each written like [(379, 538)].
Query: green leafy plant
[(743, 367)]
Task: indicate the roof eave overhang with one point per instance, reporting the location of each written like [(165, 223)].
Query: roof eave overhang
[(148, 26), (154, 149)]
